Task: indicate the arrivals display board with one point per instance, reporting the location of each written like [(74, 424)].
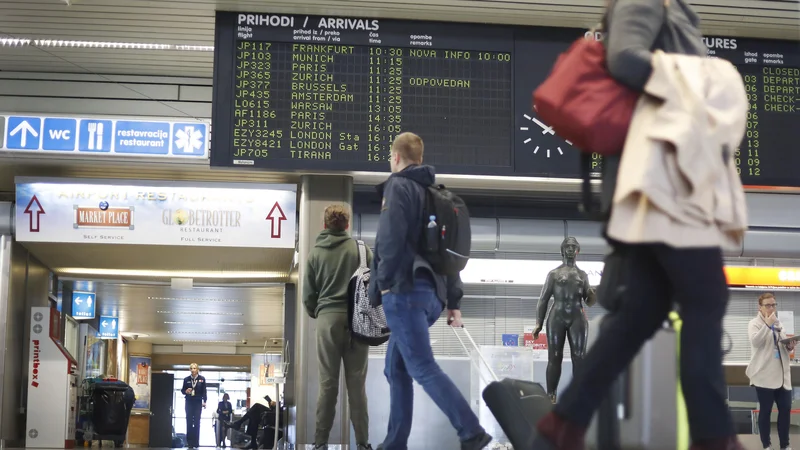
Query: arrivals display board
[(320, 93)]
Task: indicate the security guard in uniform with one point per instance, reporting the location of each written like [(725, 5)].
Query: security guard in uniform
[(194, 388)]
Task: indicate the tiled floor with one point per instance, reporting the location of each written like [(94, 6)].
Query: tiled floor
[(751, 442)]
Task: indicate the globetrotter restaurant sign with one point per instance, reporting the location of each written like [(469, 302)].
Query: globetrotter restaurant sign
[(155, 213)]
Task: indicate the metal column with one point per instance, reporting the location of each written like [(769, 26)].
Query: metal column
[(317, 192), (6, 230)]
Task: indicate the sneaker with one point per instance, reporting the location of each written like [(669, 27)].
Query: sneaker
[(321, 446), (786, 448), (477, 443), (364, 447)]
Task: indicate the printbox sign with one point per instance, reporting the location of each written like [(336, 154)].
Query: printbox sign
[(156, 213)]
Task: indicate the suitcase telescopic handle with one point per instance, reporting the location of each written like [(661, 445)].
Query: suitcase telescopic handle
[(477, 349)]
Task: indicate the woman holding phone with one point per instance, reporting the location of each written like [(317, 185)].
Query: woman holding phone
[(769, 370)]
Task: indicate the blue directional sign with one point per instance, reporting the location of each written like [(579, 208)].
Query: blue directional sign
[(23, 133), (109, 327), (59, 134), (510, 340), (83, 305), (151, 138), (105, 136), (84, 286), (96, 135), (189, 139)]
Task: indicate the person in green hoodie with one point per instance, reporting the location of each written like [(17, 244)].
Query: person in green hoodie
[(331, 263)]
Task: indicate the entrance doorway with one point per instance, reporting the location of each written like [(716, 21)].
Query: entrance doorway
[(235, 384)]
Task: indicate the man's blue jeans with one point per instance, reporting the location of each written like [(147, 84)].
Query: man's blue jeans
[(409, 355)]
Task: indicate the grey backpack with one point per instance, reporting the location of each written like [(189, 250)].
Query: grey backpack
[(367, 322)]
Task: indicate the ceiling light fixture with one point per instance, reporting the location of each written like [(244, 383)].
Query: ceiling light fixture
[(66, 43), (206, 323), (199, 313), (194, 299), (195, 341), (215, 333), (208, 274), (7, 42)]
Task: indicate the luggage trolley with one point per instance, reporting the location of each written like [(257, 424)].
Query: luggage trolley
[(105, 410)]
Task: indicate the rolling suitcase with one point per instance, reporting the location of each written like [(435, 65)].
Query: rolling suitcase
[(516, 404), (640, 411)]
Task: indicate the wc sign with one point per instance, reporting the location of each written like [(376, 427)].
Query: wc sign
[(59, 134)]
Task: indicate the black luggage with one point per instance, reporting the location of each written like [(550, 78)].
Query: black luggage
[(113, 401), (516, 404)]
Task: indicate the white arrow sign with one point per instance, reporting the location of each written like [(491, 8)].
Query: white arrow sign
[(24, 127), (104, 323), (78, 300)]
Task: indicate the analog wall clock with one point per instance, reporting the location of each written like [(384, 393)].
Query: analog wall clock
[(541, 138)]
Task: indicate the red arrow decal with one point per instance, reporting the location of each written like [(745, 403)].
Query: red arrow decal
[(276, 220), (33, 214)]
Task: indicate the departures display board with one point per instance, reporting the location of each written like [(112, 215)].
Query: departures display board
[(770, 151), (319, 93)]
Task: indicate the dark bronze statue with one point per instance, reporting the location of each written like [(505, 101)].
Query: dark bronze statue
[(569, 287)]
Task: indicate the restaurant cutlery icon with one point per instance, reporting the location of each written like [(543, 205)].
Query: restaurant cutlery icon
[(95, 136), (92, 131), (99, 145)]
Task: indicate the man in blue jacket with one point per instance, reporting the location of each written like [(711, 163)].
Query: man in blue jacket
[(413, 298)]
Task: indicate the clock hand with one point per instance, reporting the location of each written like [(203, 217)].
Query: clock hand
[(544, 127)]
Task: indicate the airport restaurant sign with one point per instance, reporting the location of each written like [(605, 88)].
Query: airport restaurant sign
[(155, 213)]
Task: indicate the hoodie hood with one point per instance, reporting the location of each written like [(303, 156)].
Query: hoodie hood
[(331, 239), (425, 175)]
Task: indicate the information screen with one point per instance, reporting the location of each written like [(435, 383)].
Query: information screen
[(298, 92), (770, 151)]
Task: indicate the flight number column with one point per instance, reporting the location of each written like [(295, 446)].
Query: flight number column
[(747, 157), (385, 101), (254, 133)]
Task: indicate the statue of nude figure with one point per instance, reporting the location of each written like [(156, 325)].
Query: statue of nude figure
[(569, 287)]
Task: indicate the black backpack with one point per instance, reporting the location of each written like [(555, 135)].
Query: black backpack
[(446, 246), (367, 322)]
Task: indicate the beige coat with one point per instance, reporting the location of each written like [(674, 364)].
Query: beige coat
[(764, 369), (678, 183)]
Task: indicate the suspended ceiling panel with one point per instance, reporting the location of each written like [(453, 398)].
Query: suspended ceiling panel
[(212, 315), (163, 262), (191, 22)]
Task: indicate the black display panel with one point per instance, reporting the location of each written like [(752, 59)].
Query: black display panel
[(770, 151), (298, 92)]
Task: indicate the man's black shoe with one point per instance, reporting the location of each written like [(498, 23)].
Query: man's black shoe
[(477, 443)]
